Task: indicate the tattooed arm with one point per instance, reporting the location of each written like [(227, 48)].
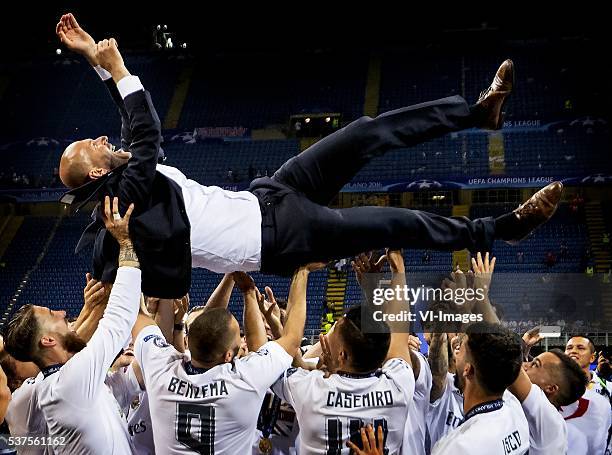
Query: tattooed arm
[(438, 362)]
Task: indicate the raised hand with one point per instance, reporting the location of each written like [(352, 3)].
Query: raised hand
[(244, 281), (75, 38), (601, 361), (115, 224), (272, 301), (483, 271), (532, 337), (270, 312), (367, 263), (396, 261), (108, 56), (372, 445), (94, 292)]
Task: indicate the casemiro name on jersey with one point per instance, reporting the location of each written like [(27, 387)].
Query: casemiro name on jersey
[(349, 400)]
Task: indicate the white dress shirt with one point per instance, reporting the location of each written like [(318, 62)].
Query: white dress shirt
[(225, 225)]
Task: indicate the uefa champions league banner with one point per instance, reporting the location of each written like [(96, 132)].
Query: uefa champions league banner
[(382, 186), (472, 183)]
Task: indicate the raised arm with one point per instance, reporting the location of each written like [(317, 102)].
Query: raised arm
[(85, 373), (362, 265), (400, 336), (254, 330), (79, 41), (95, 298), (136, 183), (293, 331), (483, 272), (438, 362), (223, 292)]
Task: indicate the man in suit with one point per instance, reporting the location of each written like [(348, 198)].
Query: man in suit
[(282, 221)]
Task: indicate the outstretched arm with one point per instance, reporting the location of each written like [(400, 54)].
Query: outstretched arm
[(438, 362), (254, 329), (293, 331), (136, 183), (223, 292), (79, 41), (400, 336), (483, 272)]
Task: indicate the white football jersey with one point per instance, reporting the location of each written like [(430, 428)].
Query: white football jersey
[(134, 406), (547, 429), (446, 413), (330, 411), (205, 411), (494, 428), (24, 416), (125, 387), (591, 416), (139, 425), (78, 406), (576, 441), (416, 426)]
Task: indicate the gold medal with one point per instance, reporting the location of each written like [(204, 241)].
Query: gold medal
[(265, 446)]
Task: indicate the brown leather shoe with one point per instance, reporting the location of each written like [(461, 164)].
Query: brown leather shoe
[(538, 209), (494, 98)]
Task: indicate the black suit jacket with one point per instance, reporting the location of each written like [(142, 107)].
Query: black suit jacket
[(159, 226)]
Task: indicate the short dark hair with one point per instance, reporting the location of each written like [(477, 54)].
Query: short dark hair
[(21, 335), (209, 336), (367, 350), (496, 354), (572, 381), (582, 335)]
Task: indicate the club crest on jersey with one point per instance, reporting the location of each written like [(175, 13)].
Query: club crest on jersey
[(160, 342)]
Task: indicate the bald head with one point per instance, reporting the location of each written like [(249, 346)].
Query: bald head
[(75, 165), (89, 159)]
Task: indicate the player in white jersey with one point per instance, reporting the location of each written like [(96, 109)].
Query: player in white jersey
[(331, 411), (140, 426), (416, 426), (591, 416), (588, 413), (547, 383), (582, 349), (24, 416), (210, 403), (81, 413), (488, 361), (415, 429)]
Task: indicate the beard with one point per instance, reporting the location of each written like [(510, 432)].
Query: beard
[(72, 342)]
